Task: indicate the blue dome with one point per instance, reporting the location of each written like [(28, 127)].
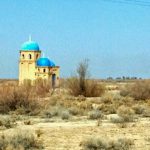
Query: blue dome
[(44, 62), (30, 45)]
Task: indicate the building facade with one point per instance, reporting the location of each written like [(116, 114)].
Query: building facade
[(32, 66)]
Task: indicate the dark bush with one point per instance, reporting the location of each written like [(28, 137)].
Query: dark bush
[(82, 85)]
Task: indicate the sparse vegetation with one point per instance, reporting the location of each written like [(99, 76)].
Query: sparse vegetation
[(82, 115), (42, 87), (22, 140), (74, 111), (127, 114), (101, 143), (65, 115), (7, 122), (117, 119), (140, 90), (95, 114), (18, 98)]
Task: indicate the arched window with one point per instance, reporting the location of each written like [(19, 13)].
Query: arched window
[(38, 69), (30, 56), (22, 56), (44, 70)]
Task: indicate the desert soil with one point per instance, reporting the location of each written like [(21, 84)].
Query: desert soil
[(68, 135)]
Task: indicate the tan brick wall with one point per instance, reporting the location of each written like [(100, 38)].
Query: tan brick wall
[(27, 64)]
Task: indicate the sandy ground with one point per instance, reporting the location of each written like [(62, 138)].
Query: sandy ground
[(67, 135)]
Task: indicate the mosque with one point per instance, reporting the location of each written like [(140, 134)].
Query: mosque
[(33, 66)]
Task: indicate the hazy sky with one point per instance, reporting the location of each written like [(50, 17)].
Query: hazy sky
[(114, 36)]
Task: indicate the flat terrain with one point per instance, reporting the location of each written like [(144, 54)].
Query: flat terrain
[(59, 134), (68, 135)]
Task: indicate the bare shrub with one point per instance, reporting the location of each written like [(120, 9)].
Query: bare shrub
[(18, 98), (126, 113), (42, 87), (74, 86), (92, 88), (99, 144), (95, 114), (81, 85), (20, 140), (140, 90)]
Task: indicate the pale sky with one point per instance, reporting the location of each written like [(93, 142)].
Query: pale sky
[(114, 36)]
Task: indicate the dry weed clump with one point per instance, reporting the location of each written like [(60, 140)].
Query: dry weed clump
[(140, 90), (21, 140), (111, 102), (143, 110), (42, 87), (95, 114), (56, 111), (103, 144), (7, 122), (117, 119), (74, 111), (18, 99), (65, 115), (126, 113)]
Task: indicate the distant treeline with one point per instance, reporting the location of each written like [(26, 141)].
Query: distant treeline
[(124, 78)]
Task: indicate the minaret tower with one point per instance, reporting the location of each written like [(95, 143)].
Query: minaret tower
[(29, 54)]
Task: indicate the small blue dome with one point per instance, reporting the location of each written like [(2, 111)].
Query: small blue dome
[(30, 45), (44, 62)]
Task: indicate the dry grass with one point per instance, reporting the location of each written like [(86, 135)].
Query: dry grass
[(105, 144), (42, 87), (65, 115), (127, 114), (68, 133), (19, 99), (7, 122), (56, 111), (140, 90), (91, 88), (22, 140), (95, 114), (143, 110)]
